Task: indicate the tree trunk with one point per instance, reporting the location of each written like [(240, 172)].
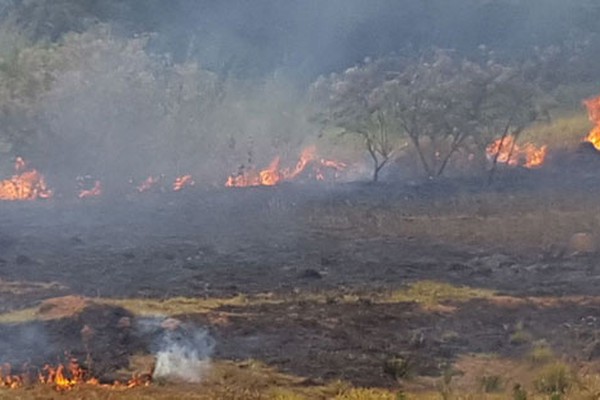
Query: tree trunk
[(495, 162), (415, 141), (455, 144), (378, 167)]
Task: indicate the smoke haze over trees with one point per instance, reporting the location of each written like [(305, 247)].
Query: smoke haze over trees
[(128, 88), (312, 37)]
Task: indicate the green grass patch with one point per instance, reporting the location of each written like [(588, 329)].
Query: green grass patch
[(563, 132), (149, 307), (427, 293), (19, 316), (431, 293), (185, 305)]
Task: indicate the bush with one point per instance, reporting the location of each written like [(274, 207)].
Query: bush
[(554, 378), (541, 353)]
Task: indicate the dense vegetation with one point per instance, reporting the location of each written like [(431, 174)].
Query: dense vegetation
[(124, 89)]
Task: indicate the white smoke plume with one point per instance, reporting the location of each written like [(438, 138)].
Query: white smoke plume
[(182, 350)]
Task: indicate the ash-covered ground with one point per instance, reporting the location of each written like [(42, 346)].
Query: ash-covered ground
[(333, 265)]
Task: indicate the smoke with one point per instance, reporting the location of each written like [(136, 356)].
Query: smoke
[(114, 110), (27, 343), (203, 88), (182, 350)]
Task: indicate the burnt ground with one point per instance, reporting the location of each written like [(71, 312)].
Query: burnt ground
[(330, 254)]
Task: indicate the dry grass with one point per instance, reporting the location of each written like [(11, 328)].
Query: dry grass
[(186, 305), (19, 288), (152, 307), (563, 132), (432, 293), (226, 381), (426, 293)]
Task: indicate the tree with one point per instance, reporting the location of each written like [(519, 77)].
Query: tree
[(436, 102), (347, 101), (26, 74)]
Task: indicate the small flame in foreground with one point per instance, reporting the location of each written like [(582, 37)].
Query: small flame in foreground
[(274, 174), (8, 380), (182, 182), (65, 377), (593, 107), (26, 184), (527, 155)]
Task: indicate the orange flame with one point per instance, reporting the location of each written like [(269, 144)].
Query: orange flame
[(182, 182), (93, 192), (8, 380), (529, 155), (267, 177), (593, 107), (274, 174), (62, 378), (26, 184), (65, 377)]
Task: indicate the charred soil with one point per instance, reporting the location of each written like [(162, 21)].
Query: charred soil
[(375, 285)]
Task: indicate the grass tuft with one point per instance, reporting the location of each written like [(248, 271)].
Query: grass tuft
[(432, 293), (554, 378)]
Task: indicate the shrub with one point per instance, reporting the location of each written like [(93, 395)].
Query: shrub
[(541, 353), (554, 378)]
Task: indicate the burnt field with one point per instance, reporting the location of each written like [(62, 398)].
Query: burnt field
[(309, 290)]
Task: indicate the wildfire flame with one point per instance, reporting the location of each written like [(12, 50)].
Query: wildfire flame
[(274, 174), (528, 155), (95, 191), (7, 379), (182, 182), (26, 184), (65, 377), (593, 107)]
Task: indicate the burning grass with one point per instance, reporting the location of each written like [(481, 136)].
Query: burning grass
[(593, 107), (226, 381), (498, 219), (254, 380), (237, 380), (507, 151), (308, 164), (26, 184)]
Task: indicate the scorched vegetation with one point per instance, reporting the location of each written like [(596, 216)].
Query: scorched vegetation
[(349, 200)]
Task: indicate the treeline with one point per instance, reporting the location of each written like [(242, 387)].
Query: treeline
[(127, 89), (97, 103), (309, 37)]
